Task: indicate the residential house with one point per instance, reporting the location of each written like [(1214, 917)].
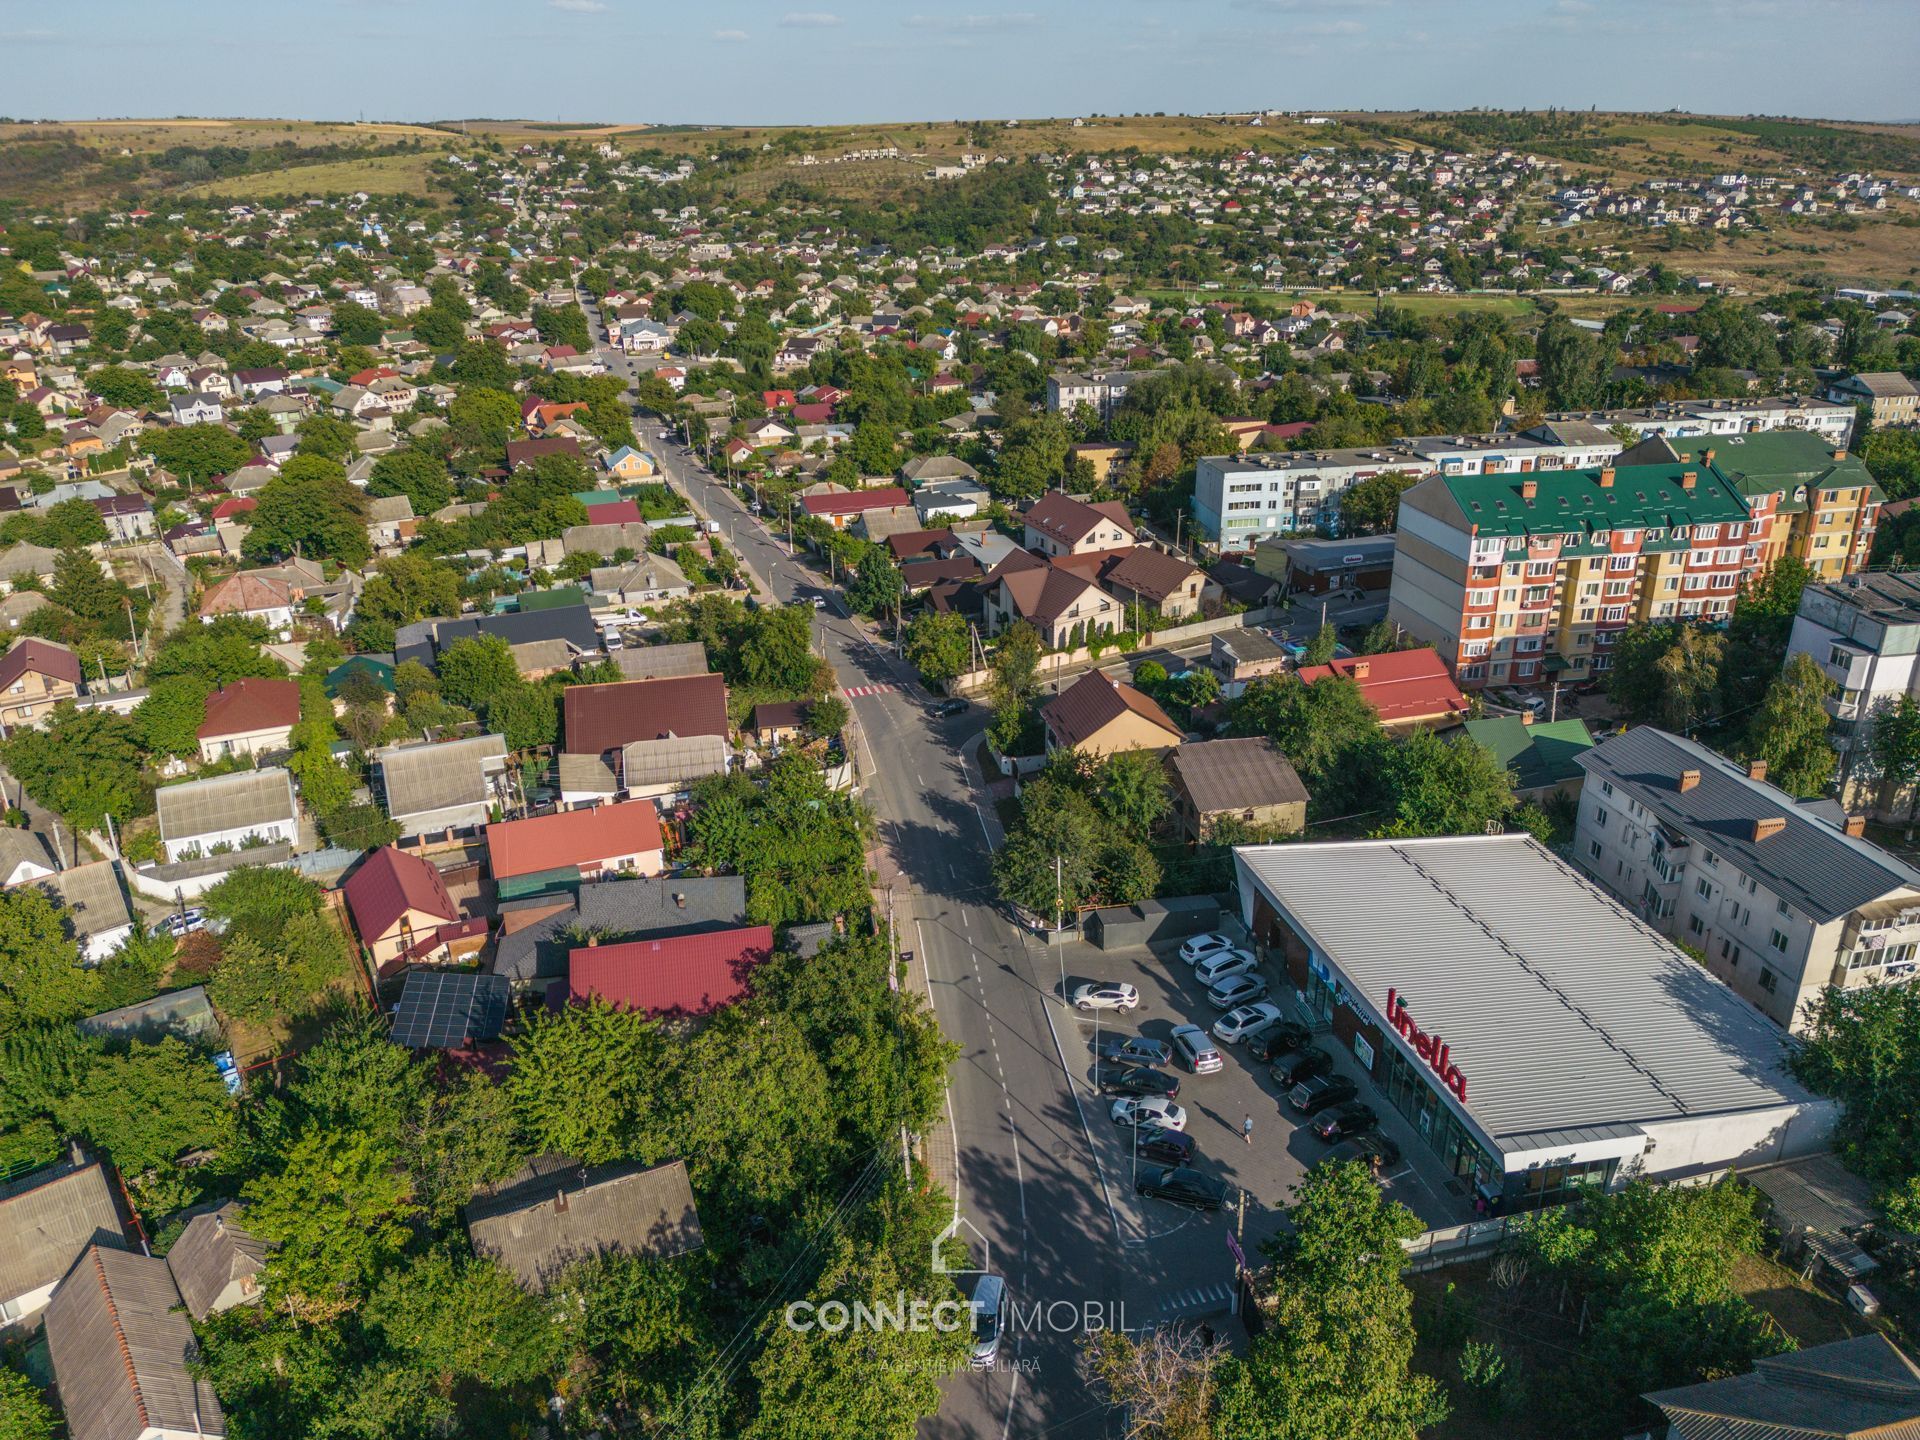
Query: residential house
[(555, 1213), (600, 719), (1865, 634), (660, 662), (1099, 716), (1240, 781), (35, 676), (1153, 586), (536, 950), (227, 813), (1064, 606), (525, 452), (549, 852), (23, 856), (841, 508), (123, 1353), (951, 499), (195, 409), (216, 1263), (1863, 1388), (23, 559), (251, 717), (1543, 756), (1781, 900), (677, 977), (99, 917), (256, 597), (1408, 689), (425, 640), (401, 909), (1890, 397), (48, 1219), (390, 521), (127, 517), (649, 580), (446, 789), (627, 463), (1240, 656), (1058, 524)]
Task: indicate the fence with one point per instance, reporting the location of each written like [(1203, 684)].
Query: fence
[(1056, 661), (1452, 1244)]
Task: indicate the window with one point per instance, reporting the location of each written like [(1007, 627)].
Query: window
[(1713, 860), (1606, 787), (1593, 848), (1599, 814), (1785, 909), (1703, 888), (1694, 925), (1778, 939), (1769, 982)]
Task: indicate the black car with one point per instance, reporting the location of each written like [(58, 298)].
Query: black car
[(1168, 1147), (1370, 1148), (1353, 1118), (1318, 1092), (1296, 1065), (1272, 1041), (1181, 1186), (951, 707), (1138, 1080)]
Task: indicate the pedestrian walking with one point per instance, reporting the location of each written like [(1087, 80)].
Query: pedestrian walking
[(1246, 1129)]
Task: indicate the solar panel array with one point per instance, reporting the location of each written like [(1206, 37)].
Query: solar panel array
[(450, 1009)]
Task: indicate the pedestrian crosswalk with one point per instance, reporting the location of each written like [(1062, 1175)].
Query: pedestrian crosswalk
[(854, 692), (1201, 1300)]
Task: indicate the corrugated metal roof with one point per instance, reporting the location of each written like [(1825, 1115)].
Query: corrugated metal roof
[(244, 800), (1820, 870), (422, 778), (1561, 1009), (47, 1219)]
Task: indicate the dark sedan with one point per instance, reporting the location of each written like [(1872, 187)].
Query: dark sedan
[(1181, 1186), (1167, 1147), (1270, 1042), (1296, 1065), (1342, 1122), (1321, 1092), (1138, 1080), (1371, 1149)]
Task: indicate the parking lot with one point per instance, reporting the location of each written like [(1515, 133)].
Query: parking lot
[(1282, 1148)]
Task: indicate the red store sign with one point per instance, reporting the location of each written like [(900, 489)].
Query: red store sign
[(1430, 1048)]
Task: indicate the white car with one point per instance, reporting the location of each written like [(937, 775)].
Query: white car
[(1149, 1110), (1236, 1025), (1201, 947), (1105, 995), (1240, 990), (1224, 966)]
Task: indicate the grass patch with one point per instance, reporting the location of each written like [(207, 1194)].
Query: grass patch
[(377, 175)]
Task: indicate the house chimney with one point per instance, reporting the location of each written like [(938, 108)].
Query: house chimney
[(1606, 478), (592, 940), (1756, 769), (1689, 479), (1529, 488), (1362, 669), (1706, 456), (1688, 779), (1840, 454), (1856, 825), (1526, 717), (1768, 825)]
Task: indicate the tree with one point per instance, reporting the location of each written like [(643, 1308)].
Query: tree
[(327, 437), (338, 1208), (1016, 663), (197, 453), (1789, 729), (1437, 787), (1315, 726), (1166, 1383), (72, 525), (1131, 789), (79, 586), (405, 588), (170, 717), (418, 474), (310, 508), (1334, 1357), (1048, 864), (801, 846), (1862, 1047), (263, 981), (484, 420), (1668, 674), (357, 325), (877, 588), (940, 645), (1322, 647), (84, 766), (582, 1080), (474, 670), (41, 982), (1574, 366), (527, 714), (1372, 506), (24, 1412), (122, 385), (147, 1107), (1894, 745), (827, 717), (262, 900)]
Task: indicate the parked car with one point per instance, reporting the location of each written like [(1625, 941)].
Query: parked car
[(1345, 1121), (950, 707), (1168, 1147), (181, 922), (1138, 1080), (989, 1298), (1181, 1186), (1271, 1041), (1148, 1110), (1137, 1050), (1318, 1092), (1195, 1051), (1224, 966), (1370, 1148), (1240, 990), (1105, 995), (1296, 1065), (1201, 947), (1236, 1025)]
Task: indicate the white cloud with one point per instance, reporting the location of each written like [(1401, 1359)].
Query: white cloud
[(578, 7), (975, 24), (810, 20), (731, 37)]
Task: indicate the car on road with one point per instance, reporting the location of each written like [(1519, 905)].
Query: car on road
[(1148, 1110), (1139, 1080), (1201, 946), (1296, 1065), (1105, 995), (950, 707), (1181, 1186), (1270, 1042), (1370, 1148), (1167, 1147), (1236, 1025), (1194, 1051), (1138, 1050), (989, 1298), (1224, 966), (819, 602), (1345, 1121), (181, 922), (1321, 1092), (1240, 990)]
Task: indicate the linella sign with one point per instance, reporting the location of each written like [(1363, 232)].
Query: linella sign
[(1430, 1048)]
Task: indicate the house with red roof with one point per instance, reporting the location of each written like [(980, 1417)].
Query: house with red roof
[(618, 512), (400, 906), (548, 851), (250, 717), (841, 508), (681, 976), (600, 719), (233, 505), (1410, 689), (35, 676), (258, 597), (813, 414), (778, 399)]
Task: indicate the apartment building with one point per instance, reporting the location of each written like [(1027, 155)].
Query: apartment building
[(1890, 397), (1240, 500), (1865, 633), (1100, 392), (1779, 899), (1825, 503), (1525, 578)]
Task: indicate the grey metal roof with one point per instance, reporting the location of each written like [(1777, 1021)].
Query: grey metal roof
[(423, 778), (651, 909), (1846, 1388), (1561, 1009), (1819, 870), (47, 1219), (245, 799), (187, 1014), (553, 1214), (660, 662), (120, 1347), (211, 1253), (676, 760), (1236, 774), (95, 899), (586, 774)]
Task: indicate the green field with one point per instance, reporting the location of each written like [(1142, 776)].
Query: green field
[(377, 175)]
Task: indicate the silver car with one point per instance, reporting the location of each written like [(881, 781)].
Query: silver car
[(1236, 1025), (1138, 1050), (1195, 1050), (1224, 966), (1240, 990)]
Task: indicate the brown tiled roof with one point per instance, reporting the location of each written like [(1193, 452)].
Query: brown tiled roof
[(1044, 593), (1095, 701), (251, 704), (1067, 520), (41, 657), (600, 718), (1149, 572)]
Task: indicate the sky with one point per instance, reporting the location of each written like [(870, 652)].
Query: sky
[(848, 61)]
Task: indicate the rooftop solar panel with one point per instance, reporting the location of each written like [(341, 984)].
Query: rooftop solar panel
[(450, 1010)]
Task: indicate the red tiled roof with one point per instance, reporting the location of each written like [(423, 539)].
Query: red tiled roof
[(246, 594), (525, 452), (852, 502), (600, 718), (813, 414), (1402, 685), (682, 975), (234, 505), (251, 704), (618, 512), (388, 884), (42, 657), (573, 837)]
